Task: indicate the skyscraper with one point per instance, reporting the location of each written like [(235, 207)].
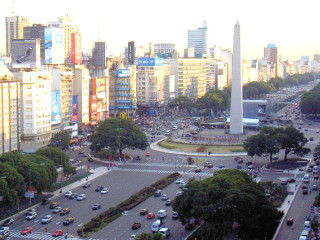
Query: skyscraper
[(236, 113), (33, 32), (99, 55), (197, 39), (14, 29), (271, 54)]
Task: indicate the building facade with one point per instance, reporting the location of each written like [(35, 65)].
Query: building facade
[(271, 54), (164, 48), (197, 39), (33, 32), (14, 30)]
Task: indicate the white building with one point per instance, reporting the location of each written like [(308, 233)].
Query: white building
[(197, 39), (35, 109), (164, 48)]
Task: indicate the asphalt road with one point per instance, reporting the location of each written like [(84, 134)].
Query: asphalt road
[(121, 184)]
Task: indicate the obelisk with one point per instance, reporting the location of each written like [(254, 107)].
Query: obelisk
[(236, 113)]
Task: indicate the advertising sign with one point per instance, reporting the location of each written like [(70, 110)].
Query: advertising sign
[(93, 104), (131, 53), (54, 45), (76, 48), (101, 101), (99, 85), (75, 109), (150, 62), (26, 53), (123, 73), (55, 107)]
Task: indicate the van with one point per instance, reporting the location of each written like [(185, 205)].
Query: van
[(306, 178), (165, 232), (307, 226), (155, 227), (162, 213), (315, 169)]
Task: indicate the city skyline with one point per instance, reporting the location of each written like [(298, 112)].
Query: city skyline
[(292, 31)]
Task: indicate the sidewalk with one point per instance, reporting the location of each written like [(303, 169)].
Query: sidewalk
[(154, 146)]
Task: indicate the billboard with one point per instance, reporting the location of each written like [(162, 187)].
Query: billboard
[(93, 104), (26, 53), (99, 85), (75, 109), (147, 62), (55, 107), (54, 45), (101, 101), (123, 73), (131, 53), (76, 48)]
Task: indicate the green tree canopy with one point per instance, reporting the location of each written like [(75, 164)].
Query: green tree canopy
[(118, 134), (230, 196), (215, 100), (182, 102), (60, 140)]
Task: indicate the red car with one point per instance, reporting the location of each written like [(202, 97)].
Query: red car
[(148, 154), (136, 225), (151, 215), (110, 164), (26, 230), (57, 233)]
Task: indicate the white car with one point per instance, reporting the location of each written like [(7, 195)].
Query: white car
[(57, 209), (221, 165), (46, 219), (67, 194), (164, 197), (104, 190), (179, 180), (31, 216), (178, 193), (81, 197), (182, 184), (175, 128), (318, 131)]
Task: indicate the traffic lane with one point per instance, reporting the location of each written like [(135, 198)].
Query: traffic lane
[(121, 184), (298, 211), (116, 229)]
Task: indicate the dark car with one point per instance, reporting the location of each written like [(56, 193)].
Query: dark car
[(305, 191), (65, 211), (99, 188), (90, 159), (290, 221), (54, 205), (291, 180), (8, 222), (68, 221), (138, 158), (136, 225), (73, 196), (143, 211), (157, 193), (45, 201), (188, 226), (96, 207)]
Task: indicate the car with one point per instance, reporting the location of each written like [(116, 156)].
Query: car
[(148, 154), (136, 225), (179, 180), (67, 194), (221, 165), (57, 233), (73, 196), (31, 216), (301, 169), (157, 193), (197, 170), (143, 211), (314, 187), (309, 169), (54, 205), (98, 188), (31, 211), (46, 219), (111, 164), (57, 210), (289, 221), (284, 182), (291, 180), (90, 159), (265, 154), (306, 129), (178, 193), (250, 167), (240, 160), (86, 185), (275, 157), (151, 215), (168, 202), (317, 131), (65, 211), (26, 230), (68, 221), (45, 201), (188, 226), (138, 158), (305, 191), (96, 206), (316, 176), (81, 197), (175, 215), (164, 197), (104, 190), (8, 222), (311, 139), (182, 184)]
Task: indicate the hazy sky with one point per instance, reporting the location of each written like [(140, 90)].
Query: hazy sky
[(291, 24)]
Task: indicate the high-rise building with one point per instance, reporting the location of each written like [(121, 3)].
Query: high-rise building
[(164, 48), (33, 32), (35, 108), (99, 55), (316, 57), (14, 30), (69, 27), (9, 111), (131, 53), (197, 39), (271, 54)]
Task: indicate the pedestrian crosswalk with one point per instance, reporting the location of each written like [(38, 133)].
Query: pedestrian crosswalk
[(164, 171), (16, 235), (300, 179)]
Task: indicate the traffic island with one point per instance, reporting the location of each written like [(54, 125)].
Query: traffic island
[(103, 219)]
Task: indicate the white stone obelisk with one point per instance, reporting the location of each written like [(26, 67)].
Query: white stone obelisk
[(236, 114)]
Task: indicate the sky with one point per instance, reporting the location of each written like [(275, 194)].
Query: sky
[(290, 24)]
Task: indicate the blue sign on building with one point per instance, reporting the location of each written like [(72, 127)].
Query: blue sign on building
[(123, 73), (150, 62)]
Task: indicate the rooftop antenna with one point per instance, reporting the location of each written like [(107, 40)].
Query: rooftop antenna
[(13, 10), (99, 21)]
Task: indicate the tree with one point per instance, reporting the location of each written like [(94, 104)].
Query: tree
[(229, 197), (183, 102), (118, 134), (214, 100), (61, 140), (149, 236)]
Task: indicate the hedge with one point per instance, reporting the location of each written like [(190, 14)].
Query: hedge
[(201, 149), (104, 218)]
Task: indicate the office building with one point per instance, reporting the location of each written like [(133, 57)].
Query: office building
[(271, 54), (164, 48), (35, 108), (14, 30), (69, 27), (131, 53), (99, 55), (9, 111), (197, 39), (316, 57), (33, 32)]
